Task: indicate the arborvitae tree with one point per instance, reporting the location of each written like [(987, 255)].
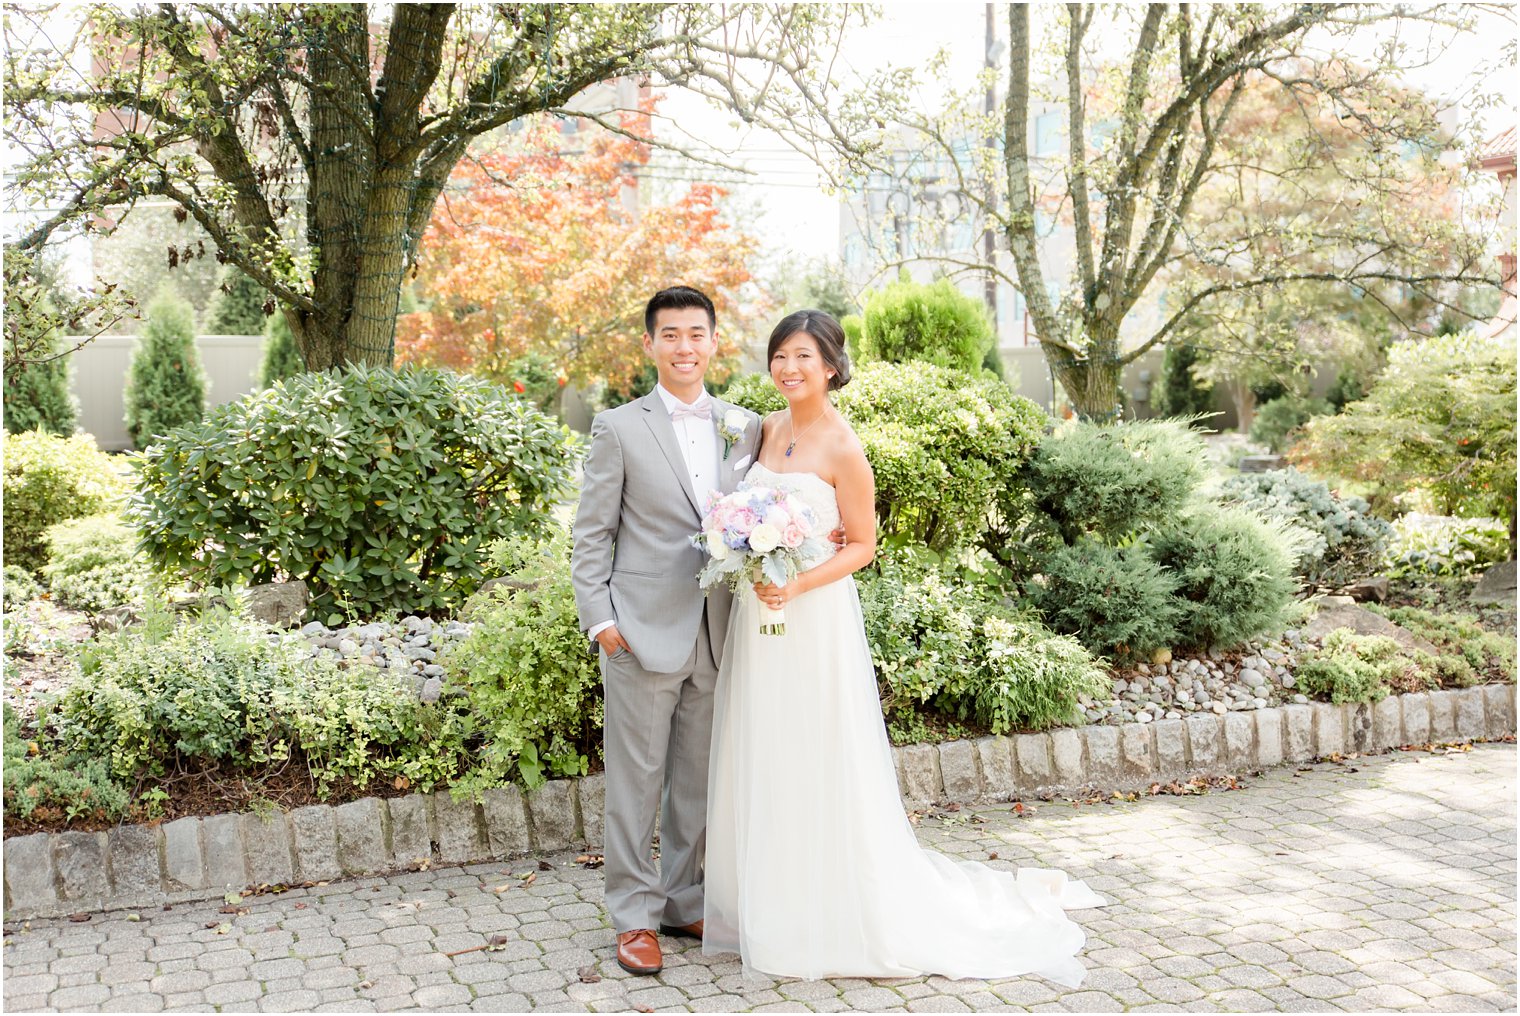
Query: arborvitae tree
[(37, 395), (165, 384), (237, 306), (281, 357), (1179, 392)]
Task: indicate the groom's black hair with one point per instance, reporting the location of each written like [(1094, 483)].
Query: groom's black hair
[(679, 298)]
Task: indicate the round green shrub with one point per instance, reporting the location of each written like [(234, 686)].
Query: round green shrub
[(237, 305), (46, 786), (1349, 541), (1277, 421), (943, 443), (1107, 480), (1114, 600), (1234, 577), (1030, 678), (534, 693), (166, 387), (934, 323), (282, 358), (93, 564), (48, 480), (377, 487)]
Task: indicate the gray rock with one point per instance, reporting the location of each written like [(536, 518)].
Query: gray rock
[(1499, 707), (1102, 745), (433, 670), (1298, 731), (411, 829), (1137, 757), (1143, 716), (957, 766), (1497, 585), (1261, 463), (29, 879), (1359, 727), (316, 843), (360, 831), (1416, 717), (183, 866), (460, 836), (267, 838), (1301, 699), (432, 688), (80, 860), (1203, 733), (1035, 768), (1239, 741), (1252, 678), (1066, 757), (348, 647), (313, 628), (1374, 589), (1171, 748), (551, 809), (281, 604), (223, 855), (995, 756), (1387, 724), (920, 772), (1329, 729), (593, 806), (135, 866), (1443, 715)]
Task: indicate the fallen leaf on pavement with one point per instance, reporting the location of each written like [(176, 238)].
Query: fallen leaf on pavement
[(588, 975), (545, 866), (79, 918)]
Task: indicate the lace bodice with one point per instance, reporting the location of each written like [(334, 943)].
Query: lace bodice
[(816, 492)]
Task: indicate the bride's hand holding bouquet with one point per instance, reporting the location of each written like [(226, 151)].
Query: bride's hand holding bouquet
[(757, 534)]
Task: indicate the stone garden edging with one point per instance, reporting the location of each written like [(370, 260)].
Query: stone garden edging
[(47, 874)]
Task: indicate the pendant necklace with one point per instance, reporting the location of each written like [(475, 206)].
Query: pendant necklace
[(796, 436)]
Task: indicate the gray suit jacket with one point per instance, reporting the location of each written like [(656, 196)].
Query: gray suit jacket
[(633, 561)]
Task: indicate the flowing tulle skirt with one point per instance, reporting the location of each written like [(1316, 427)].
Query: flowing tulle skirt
[(812, 867)]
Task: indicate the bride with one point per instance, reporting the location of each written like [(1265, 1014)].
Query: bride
[(812, 868)]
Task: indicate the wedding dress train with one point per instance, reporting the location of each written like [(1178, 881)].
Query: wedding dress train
[(812, 868)]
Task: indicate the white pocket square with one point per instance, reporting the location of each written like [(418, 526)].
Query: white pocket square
[(741, 463)]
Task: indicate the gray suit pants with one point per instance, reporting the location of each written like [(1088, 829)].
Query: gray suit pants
[(655, 740)]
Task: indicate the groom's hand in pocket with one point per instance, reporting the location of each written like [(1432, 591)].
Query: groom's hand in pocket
[(611, 640), (837, 537)]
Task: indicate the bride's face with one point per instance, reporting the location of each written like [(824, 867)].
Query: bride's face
[(799, 370)]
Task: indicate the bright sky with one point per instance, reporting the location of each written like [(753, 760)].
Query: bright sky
[(790, 212)]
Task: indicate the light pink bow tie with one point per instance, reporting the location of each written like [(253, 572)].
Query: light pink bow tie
[(699, 410)]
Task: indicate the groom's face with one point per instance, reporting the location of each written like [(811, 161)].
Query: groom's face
[(682, 343)]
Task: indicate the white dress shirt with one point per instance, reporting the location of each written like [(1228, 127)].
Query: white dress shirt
[(698, 441)]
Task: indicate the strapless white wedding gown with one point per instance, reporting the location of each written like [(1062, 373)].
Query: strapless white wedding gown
[(812, 867)]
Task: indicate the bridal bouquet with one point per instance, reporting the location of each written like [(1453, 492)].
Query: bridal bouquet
[(754, 533)]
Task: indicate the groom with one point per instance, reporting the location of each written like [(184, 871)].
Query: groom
[(651, 466)]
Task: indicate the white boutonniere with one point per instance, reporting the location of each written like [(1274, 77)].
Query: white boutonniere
[(731, 429)]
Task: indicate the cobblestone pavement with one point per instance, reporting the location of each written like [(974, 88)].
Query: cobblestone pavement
[(1379, 883)]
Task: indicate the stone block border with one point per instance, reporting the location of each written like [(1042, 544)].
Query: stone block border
[(195, 858)]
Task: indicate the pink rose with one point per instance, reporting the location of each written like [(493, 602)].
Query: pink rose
[(792, 535)]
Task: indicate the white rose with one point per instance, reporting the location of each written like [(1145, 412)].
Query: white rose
[(735, 419), (764, 538), (716, 548)]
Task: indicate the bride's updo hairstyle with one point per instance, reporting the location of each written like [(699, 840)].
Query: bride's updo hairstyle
[(825, 331)]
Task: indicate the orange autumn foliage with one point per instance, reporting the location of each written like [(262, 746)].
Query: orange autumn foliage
[(534, 250)]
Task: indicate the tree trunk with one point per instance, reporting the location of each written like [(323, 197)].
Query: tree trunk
[(1092, 382)]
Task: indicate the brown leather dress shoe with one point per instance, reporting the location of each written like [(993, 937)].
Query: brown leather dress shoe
[(638, 952), (692, 930)]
